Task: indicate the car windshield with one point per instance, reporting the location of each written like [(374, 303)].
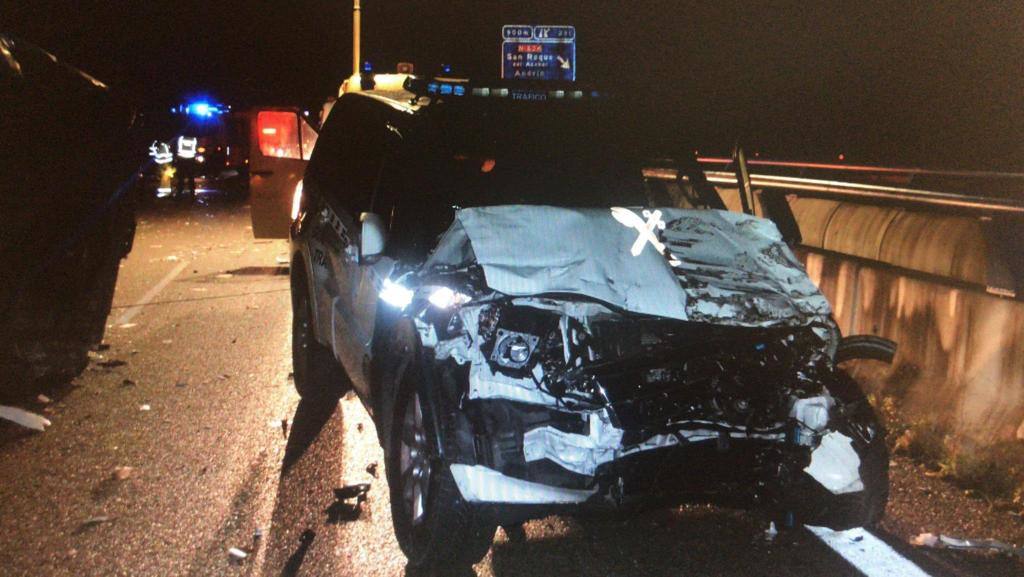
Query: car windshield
[(484, 154), (553, 153)]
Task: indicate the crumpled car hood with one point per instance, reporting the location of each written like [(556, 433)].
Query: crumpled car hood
[(692, 265)]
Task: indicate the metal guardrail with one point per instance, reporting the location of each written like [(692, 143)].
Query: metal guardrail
[(850, 190), (868, 168)]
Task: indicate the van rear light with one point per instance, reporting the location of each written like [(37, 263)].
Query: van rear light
[(278, 134)]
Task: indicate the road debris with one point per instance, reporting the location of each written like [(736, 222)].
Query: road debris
[(282, 259), (947, 542), (24, 418), (44, 399), (172, 258), (359, 427), (144, 407), (127, 325), (94, 356), (237, 555), (343, 510), (372, 470), (284, 428), (771, 532), (357, 491), (112, 363), (93, 522), (225, 275), (925, 540), (121, 473), (127, 383)]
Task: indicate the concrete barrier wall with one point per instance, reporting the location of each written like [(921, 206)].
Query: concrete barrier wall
[(959, 361)]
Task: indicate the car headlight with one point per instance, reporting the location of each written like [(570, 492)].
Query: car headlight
[(444, 297), (395, 294)]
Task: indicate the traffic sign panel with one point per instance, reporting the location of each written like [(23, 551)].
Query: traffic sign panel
[(530, 52)]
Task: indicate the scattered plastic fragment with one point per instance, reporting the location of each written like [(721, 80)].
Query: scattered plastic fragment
[(237, 555), (359, 427), (225, 275), (92, 522), (171, 258), (348, 492), (924, 540), (771, 532), (945, 541), (24, 418), (44, 399), (126, 325), (94, 356), (144, 407), (342, 510), (122, 473), (281, 259)]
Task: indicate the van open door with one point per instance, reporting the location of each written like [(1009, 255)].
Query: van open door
[(280, 144)]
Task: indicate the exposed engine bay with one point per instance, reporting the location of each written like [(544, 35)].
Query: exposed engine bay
[(574, 398)]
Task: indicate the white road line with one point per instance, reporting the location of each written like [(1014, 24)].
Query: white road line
[(129, 314), (869, 554)]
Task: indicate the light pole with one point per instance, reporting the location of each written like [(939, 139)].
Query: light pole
[(355, 37)]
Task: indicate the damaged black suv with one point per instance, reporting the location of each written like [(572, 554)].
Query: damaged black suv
[(532, 333)]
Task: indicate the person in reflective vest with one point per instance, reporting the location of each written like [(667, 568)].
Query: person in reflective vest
[(185, 166)]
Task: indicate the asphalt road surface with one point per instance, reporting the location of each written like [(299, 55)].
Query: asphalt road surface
[(185, 438)]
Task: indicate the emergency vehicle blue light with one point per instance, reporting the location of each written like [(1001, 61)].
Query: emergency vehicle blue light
[(432, 88), (200, 109), (367, 66), (460, 90), (446, 68), (446, 89)]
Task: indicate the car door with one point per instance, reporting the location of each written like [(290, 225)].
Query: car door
[(280, 144), (343, 175)]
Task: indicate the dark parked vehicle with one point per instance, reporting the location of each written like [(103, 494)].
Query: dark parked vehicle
[(65, 222), (484, 266)]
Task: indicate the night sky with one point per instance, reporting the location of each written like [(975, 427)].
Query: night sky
[(882, 82)]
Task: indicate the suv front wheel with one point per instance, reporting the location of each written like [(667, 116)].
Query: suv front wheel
[(434, 526)]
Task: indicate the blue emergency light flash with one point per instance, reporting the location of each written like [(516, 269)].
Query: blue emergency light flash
[(200, 109)]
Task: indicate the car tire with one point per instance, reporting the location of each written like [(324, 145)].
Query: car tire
[(317, 374), (434, 526)]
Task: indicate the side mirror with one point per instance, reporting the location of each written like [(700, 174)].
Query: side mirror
[(373, 236)]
